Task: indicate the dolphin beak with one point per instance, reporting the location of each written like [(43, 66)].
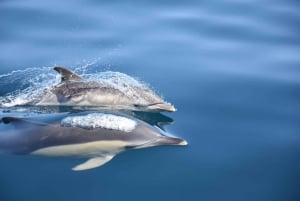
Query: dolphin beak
[(162, 107), (164, 140), (183, 143)]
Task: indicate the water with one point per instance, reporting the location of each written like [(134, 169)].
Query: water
[(231, 68)]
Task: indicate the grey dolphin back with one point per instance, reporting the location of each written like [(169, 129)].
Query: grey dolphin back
[(20, 136), (66, 74), (20, 122)]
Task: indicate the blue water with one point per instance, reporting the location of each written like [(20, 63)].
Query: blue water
[(230, 67)]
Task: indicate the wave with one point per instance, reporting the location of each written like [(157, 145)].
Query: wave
[(27, 86)]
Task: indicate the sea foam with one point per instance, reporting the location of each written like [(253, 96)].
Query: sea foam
[(100, 120)]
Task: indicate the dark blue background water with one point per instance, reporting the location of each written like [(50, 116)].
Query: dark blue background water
[(230, 67)]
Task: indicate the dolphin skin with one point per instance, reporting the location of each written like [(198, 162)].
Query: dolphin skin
[(95, 135), (74, 90)]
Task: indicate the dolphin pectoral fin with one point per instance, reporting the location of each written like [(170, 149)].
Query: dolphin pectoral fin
[(66, 74), (93, 163)]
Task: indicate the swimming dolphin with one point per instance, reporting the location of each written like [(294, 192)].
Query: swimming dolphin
[(97, 136), (74, 90)]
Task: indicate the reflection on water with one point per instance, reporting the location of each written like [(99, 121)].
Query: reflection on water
[(38, 112)]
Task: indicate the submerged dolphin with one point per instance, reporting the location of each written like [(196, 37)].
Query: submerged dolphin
[(97, 136), (74, 90)]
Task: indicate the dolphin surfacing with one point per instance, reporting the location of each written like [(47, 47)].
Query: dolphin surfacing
[(74, 90), (96, 136)]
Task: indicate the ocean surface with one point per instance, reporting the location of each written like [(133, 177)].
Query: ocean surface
[(231, 68)]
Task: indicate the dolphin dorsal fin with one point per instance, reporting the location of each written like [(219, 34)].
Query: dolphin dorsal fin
[(66, 74)]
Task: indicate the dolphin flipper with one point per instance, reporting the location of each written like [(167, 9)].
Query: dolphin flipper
[(66, 74), (93, 163)]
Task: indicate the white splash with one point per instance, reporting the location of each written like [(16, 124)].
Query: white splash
[(131, 87), (24, 86), (27, 86), (100, 120)]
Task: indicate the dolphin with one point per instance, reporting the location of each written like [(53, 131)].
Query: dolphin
[(74, 90), (97, 136)]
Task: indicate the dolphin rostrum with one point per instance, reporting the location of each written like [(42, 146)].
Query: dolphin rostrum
[(97, 136), (74, 90)]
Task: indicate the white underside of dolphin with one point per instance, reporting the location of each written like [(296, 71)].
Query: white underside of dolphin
[(100, 152)]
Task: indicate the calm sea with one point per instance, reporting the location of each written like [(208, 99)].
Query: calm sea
[(231, 68)]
